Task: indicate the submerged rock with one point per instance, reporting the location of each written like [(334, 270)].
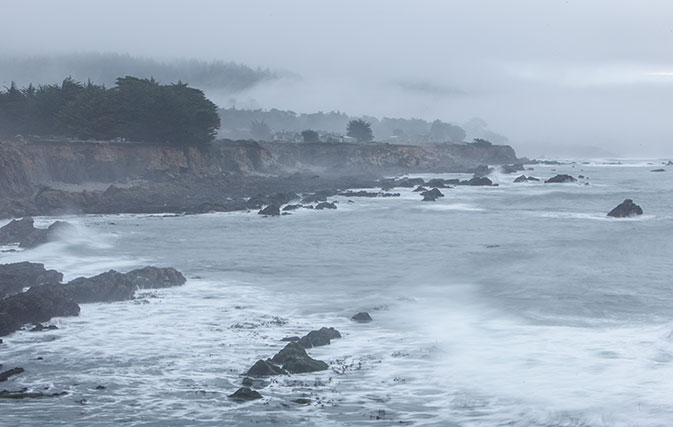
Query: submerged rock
[(254, 382), (658, 170), (626, 209), (15, 277), (362, 317), (244, 394), (25, 394), (560, 179), (291, 207), (325, 205), (264, 368), (271, 210), (4, 376)]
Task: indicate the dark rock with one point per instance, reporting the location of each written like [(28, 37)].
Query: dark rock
[(320, 196), (512, 168), (4, 376), (264, 368), (24, 394), (40, 327), (325, 205), (15, 277), (368, 194), (481, 171), (105, 287), (522, 178), (301, 365), (560, 179), (658, 170), (532, 178), (409, 182), (431, 195), (41, 236), (302, 401), (291, 207), (420, 189), (155, 277), (271, 210), (580, 176), (626, 209), (16, 231), (290, 339), (437, 182), (38, 304), (322, 336), (362, 317), (245, 394), (100, 387), (478, 181)]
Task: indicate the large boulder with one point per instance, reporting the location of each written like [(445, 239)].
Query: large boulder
[(15, 277), (560, 179), (155, 277), (295, 360), (271, 210), (105, 287), (265, 368), (38, 304), (322, 336), (626, 209), (16, 230), (431, 195)]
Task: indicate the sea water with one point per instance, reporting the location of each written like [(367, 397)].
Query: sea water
[(515, 305)]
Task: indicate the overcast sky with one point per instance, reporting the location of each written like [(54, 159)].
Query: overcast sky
[(546, 73)]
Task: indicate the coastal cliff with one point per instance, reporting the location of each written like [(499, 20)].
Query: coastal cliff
[(44, 177)]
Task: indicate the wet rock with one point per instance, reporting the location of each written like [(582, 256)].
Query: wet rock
[(362, 317), (532, 178), (658, 170), (100, 387), (481, 171), (626, 209), (245, 394), (295, 338), (105, 287), (4, 376), (41, 236), (16, 230), (409, 182), (15, 277), (560, 179), (264, 368), (25, 394), (368, 194), (420, 189), (325, 205), (478, 181), (320, 196), (155, 277), (295, 360), (316, 338), (431, 195), (437, 182), (292, 207), (271, 210), (302, 401), (40, 327), (38, 304), (522, 178)]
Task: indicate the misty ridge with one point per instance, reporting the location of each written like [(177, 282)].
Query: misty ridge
[(105, 68)]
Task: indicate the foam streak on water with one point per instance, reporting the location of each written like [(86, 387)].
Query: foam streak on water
[(520, 304)]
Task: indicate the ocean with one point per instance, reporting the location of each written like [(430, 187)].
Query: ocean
[(516, 305)]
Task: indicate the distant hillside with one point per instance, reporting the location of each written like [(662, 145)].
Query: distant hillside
[(104, 68)]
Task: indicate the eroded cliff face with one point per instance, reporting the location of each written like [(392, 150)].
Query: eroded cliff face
[(25, 167)]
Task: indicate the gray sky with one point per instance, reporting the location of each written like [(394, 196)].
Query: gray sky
[(546, 73)]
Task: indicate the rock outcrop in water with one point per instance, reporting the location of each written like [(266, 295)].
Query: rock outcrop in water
[(245, 394), (44, 301), (561, 179), (626, 209), (26, 235), (362, 317), (15, 277), (431, 195), (295, 360), (271, 210), (322, 336)]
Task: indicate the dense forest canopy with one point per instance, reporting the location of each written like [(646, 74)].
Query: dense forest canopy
[(134, 109), (104, 68)]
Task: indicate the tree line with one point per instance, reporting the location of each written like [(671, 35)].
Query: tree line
[(134, 109)]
